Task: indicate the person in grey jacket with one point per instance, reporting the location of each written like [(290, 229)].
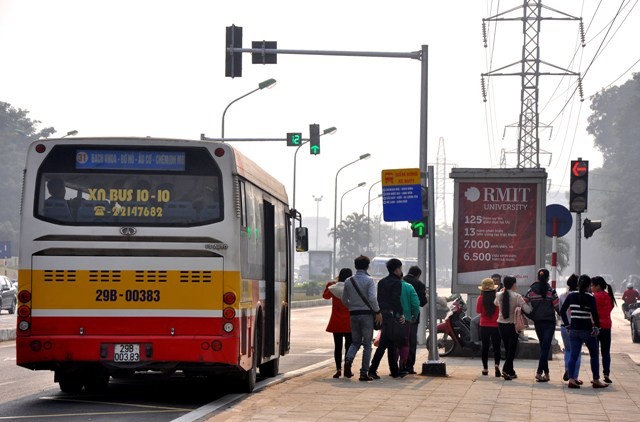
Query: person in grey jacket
[(362, 314)]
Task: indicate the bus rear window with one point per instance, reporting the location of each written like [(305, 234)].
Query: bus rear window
[(69, 191)]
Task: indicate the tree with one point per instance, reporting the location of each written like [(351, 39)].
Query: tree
[(615, 125), (352, 235), (563, 252), (16, 132)]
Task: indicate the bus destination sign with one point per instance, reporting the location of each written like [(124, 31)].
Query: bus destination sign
[(130, 160)]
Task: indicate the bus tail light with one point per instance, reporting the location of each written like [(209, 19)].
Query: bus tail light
[(24, 296), (229, 298), (24, 325), (24, 311), (229, 313), (216, 345), (227, 327)]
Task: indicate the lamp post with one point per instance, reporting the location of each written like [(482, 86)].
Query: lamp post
[(361, 184), (368, 213), (262, 85), (335, 208), (70, 133), (366, 204), (317, 199), (294, 212)]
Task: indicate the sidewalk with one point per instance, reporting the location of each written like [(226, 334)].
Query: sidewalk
[(464, 395)]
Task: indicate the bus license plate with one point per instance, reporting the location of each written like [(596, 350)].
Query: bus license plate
[(126, 353)]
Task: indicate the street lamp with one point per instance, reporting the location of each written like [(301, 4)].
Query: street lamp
[(294, 212), (262, 85), (368, 213), (70, 133), (361, 184), (335, 207), (317, 199), (368, 202)]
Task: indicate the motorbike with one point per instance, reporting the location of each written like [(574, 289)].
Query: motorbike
[(629, 310), (455, 330)]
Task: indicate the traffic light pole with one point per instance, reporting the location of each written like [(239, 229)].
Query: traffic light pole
[(578, 242)]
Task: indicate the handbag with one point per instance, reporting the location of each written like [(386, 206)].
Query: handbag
[(376, 326), (520, 320), (399, 332)]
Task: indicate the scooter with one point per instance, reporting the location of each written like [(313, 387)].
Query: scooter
[(454, 331), (629, 310)]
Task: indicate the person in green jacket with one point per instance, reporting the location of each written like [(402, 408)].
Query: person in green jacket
[(411, 310)]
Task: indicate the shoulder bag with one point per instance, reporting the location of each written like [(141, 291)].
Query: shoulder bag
[(376, 326)]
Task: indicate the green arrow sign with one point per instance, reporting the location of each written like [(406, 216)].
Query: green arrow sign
[(315, 149), (419, 228)]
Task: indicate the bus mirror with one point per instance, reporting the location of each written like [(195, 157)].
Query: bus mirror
[(302, 239)]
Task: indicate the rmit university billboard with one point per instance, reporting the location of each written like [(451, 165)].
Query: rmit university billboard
[(498, 225)]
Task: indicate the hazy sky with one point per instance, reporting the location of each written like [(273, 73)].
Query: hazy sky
[(156, 68)]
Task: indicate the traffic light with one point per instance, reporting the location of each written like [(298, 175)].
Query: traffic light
[(419, 228), (294, 139), (314, 139), (233, 61), (590, 226), (579, 186)]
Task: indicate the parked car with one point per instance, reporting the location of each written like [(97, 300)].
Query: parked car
[(8, 295), (635, 326)]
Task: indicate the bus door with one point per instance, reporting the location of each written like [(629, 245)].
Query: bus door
[(269, 278)]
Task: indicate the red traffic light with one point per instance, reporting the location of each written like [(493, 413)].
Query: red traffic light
[(579, 168)]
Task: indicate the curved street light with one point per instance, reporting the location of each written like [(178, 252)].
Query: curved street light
[(70, 133), (366, 204), (368, 214), (335, 208), (361, 184), (262, 85), (329, 131)]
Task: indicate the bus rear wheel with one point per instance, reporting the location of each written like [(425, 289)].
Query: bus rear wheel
[(70, 384), (96, 381), (270, 369)]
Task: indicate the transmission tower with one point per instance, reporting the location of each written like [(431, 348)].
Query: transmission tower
[(441, 179), (528, 123)]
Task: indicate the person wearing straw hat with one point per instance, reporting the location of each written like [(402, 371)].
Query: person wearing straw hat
[(489, 334)]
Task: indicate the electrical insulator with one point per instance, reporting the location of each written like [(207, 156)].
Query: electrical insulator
[(582, 33), (580, 90), (484, 89), (484, 33)]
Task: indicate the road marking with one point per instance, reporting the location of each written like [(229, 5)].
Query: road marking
[(7, 383), (319, 351), (260, 385), (144, 406), (6, 359), (65, 415)]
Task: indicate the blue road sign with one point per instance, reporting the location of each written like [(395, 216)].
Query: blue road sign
[(563, 217)]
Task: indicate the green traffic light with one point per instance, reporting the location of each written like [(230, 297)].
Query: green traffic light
[(419, 228), (315, 149)]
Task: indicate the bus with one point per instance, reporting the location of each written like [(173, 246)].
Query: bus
[(149, 254)]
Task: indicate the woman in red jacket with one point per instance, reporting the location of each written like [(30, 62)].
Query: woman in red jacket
[(489, 333), (605, 301), (340, 321)]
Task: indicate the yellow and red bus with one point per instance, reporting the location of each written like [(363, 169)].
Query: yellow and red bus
[(142, 254)]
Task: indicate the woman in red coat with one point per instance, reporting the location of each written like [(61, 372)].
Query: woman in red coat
[(340, 321), (603, 293)]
